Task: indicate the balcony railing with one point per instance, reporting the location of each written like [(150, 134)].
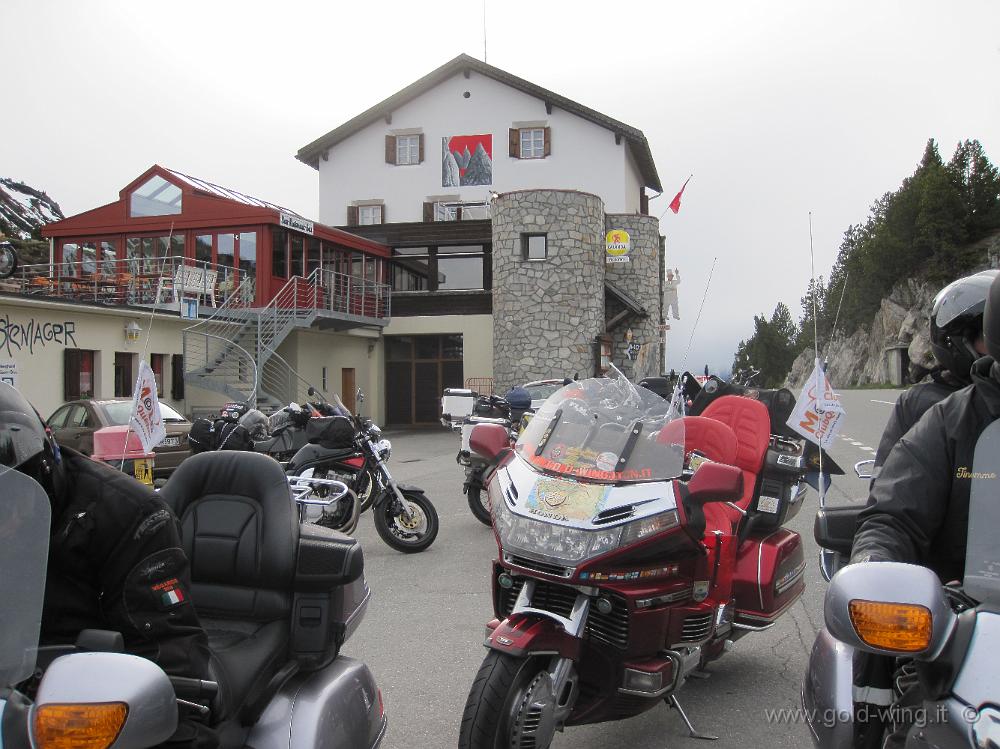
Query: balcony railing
[(461, 211), (138, 281), (350, 295)]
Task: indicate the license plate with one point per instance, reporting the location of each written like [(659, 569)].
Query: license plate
[(171, 441)]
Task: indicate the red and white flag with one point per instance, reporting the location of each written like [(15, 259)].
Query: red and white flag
[(675, 204), (147, 421), (818, 415)]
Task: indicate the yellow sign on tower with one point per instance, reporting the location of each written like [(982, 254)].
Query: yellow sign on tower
[(617, 246)]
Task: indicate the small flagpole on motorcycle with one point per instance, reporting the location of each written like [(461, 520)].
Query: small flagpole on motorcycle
[(677, 399), (820, 374)]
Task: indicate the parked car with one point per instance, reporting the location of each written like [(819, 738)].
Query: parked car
[(540, 390), (74, 424)]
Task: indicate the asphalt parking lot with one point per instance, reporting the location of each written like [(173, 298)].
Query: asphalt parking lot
[(423, 633)]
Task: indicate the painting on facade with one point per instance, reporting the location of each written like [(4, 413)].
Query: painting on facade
[(467, 160)]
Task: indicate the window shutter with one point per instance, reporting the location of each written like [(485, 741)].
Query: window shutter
[(644, 203), (515, 142), (420, 160), (548, 141), (352, 215), (390, 149), (177, 377), (428, 212), (381, 214), (71, 374)]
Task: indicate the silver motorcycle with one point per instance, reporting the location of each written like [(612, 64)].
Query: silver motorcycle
[(946, 638)]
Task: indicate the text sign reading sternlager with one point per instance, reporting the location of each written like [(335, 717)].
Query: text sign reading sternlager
[(296, 223), (617, 246)]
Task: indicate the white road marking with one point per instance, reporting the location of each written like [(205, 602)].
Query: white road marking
[(871, 450), (888, 403), (857, 444)]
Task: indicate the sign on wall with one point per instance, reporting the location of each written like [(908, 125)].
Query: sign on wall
[(467, 160), (617, 246), (296, 223), (8, 372)]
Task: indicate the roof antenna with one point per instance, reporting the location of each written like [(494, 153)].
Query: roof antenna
[(484, 30)]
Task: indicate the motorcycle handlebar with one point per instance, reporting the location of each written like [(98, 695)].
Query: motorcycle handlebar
[(194, 688)]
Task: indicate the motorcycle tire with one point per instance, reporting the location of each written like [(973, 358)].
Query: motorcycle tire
[(8, 261), (479, 503), (345, 518), (400, 538), (365, 488), (502, 679)]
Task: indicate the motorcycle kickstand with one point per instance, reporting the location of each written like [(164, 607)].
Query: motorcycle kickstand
[(672, 702)]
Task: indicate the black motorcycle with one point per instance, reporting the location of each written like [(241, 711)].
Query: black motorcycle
[(352, 449)]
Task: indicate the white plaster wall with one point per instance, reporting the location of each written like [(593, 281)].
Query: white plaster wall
[(584, 155)]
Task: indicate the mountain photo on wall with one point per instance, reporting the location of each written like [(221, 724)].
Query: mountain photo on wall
[(467, 160)]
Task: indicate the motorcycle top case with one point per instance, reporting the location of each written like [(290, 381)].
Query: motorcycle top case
[(331, 431), (457, 403), (469, 425)]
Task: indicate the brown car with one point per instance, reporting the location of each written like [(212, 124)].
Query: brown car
[(74, 424)]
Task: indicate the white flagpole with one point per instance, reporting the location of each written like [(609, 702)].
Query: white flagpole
[(820, 375)]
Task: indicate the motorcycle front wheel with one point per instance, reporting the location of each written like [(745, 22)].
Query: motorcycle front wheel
[(408, 537), (479, 503), (495, 716), (8, 261)]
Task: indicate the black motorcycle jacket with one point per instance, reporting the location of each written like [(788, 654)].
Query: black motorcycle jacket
[(919, 506), (910, 406), (116, 563)]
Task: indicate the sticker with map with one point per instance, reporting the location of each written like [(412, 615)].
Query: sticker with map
[(566, 500)]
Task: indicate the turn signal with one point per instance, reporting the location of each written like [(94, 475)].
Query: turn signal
[(87, 726), (902, 627)]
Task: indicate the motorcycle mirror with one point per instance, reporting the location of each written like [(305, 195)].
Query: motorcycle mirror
[(360, 395), (889, 608), (715, 482), (131, 703), (488, 440), (864, 468)]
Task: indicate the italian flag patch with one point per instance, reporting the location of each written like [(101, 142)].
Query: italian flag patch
[(172, 597)]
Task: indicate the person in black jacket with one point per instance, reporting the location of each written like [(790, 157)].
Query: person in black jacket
[(115, 557), (919, 505), (956, 333)]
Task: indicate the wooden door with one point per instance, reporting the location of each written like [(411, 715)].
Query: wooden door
[(348, 388)]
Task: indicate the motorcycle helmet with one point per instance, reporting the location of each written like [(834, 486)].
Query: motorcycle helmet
[(957, 322), (991, 320), (258, 426), (26, 445), (518, 398)]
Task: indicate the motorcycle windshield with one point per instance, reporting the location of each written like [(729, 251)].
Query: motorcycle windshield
[(982, 553), (24, 545), (605, 430)]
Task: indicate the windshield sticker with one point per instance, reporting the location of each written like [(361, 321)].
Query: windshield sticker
[(606, 461), (632, 474), (566, 500)]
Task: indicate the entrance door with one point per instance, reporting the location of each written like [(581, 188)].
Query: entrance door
[(347, 388), (417, 370)]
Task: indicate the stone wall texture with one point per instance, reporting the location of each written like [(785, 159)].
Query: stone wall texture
[(639, 278), (547, 314)]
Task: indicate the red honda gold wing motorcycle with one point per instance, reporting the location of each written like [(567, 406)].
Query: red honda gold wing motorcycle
[(633, 544)]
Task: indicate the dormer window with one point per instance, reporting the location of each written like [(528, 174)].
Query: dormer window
[(155, 197)]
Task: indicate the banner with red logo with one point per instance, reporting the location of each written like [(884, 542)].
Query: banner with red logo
[(147, 421), (818, 415)]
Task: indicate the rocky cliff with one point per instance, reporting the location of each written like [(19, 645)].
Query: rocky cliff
[(873, 354)]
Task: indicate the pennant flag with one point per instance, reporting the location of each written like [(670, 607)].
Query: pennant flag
[(675, 204), (818, 415), (147, 421)]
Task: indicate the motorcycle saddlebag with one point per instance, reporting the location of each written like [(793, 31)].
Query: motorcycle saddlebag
[(769, 577), (232, 436), (202, 437), (335, 432)]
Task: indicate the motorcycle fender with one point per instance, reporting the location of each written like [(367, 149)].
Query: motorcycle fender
[(533, 635), (827, 694), (337, 707), (409, 488)]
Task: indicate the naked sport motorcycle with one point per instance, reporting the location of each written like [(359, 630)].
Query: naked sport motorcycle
[(633, 543)]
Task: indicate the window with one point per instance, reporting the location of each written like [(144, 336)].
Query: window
[(532, 143), (203, 248), (534, 247), (58, 419), (78, 374), (109, 257), (369, 214), (70, 258), (410, 268), (407, 149), (312, 255), (298, 246), (155, 197), (123, 374), (279, 253), (248, 253), (156, 363)]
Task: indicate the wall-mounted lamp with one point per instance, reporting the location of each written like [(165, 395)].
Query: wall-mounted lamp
[(132, 331), (371, 350)]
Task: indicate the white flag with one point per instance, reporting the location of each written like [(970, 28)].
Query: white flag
[(147, 421), (818, 414)]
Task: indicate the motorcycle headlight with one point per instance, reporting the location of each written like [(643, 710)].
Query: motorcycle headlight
[(563, 545)]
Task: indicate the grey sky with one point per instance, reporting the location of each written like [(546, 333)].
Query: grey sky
[(778, 108)]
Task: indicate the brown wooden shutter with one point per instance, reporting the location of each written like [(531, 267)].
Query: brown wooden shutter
[(420, 160), (515, 142), (177, 377), (548, 141), (390, 149), (428, 212), (71, 374), (644, 203), (352, 215)]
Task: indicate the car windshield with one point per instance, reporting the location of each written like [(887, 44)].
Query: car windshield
[(605, 430), (118, 413), (542, 389)]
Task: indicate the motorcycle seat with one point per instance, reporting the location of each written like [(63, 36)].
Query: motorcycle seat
[(751, 423)]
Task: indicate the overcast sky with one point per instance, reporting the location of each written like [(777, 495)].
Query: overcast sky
[(777, 108)]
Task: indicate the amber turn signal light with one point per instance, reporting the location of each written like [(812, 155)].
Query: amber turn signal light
[(79, 726), (901, 627)]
